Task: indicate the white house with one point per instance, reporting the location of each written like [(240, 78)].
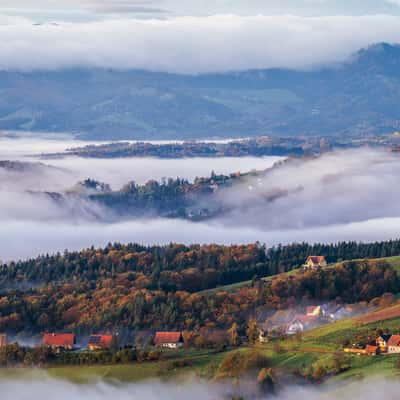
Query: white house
[(315, 262)]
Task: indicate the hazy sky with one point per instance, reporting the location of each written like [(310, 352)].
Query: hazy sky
[(81, 9)]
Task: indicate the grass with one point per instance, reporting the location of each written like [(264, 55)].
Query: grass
[(239, 285), (203, 363), (394, 262)]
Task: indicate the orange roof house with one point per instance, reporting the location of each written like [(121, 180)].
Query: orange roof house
[(65, 341), (172, 340), (99, 342), (314, 262)]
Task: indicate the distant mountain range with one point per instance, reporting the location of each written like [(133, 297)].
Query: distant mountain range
[(361, 96)]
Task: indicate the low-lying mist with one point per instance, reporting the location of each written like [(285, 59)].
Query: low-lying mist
[(62, 173), (39, 386), (344, 195), (342, 187)]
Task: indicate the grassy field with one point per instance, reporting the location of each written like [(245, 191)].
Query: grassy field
[(236, 286)]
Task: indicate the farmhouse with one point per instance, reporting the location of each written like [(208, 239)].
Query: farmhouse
[(315, 262), (99, 342), (383, 343), (3, 340), (394, 344), (59, 341), (301, 323), (171, 340)]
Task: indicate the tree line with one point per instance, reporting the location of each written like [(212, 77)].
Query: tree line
[(160, 288)]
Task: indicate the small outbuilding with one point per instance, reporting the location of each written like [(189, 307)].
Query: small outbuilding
[(99, 342), (372, 350)]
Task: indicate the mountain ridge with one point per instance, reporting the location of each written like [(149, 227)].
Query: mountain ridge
[(357, 97)]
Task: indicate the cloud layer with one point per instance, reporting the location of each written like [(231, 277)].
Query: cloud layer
[(323, 191), (340, 196), (191, 44), (38, 386)]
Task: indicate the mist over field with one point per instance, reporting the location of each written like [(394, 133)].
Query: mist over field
[(338, 196), (38, 386)]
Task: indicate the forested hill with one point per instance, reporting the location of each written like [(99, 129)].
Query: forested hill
[(138, 287), (358, 97), (179, 267)]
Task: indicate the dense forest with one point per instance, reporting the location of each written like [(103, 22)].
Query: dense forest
[(157, 287), (171, 198)]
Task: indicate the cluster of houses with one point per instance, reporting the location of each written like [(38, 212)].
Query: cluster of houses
[(60, 342), (291, 322), (67, 341), (384, 344)]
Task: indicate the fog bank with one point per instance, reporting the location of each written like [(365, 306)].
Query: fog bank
[(215, 43), (340, 196), (38, 386), (27, 238)]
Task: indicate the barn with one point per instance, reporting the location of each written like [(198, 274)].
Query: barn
[(59, 341)]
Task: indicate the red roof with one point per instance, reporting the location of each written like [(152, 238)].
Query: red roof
[(316, 259), (59, 339), (102, 341), (168, 337), (394, 341), (371, 349)]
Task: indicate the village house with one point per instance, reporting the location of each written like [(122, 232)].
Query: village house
[(394, 344), (99, 342), (315, 262), (3, 340), (59, 341), (170, 340), (383, 343), (302, 323)]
